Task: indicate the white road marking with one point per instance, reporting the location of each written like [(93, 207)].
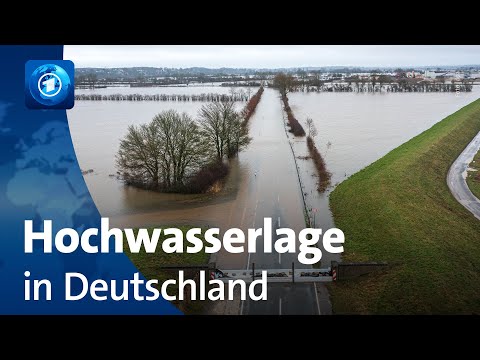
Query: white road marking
[(280, 306), (254, 216), (316, 298), (241, 307)]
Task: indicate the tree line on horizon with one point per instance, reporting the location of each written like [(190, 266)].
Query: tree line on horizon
[(376, 82)]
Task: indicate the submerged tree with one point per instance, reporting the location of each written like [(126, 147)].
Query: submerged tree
[(162, 153), (138, 158), (222, 126), (284, 83), (312, 130), (183, 147)]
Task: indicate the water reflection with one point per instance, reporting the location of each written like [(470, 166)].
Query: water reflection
[(360, 127)]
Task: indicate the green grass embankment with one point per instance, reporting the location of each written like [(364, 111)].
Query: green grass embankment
[(400, 210), (148, 265), (473, 178)]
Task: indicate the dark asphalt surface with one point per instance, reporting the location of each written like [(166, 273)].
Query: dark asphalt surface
[(457, 175)]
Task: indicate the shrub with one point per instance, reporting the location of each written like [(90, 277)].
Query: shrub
[(252, 105), (295, 127), (323, 174), (206, 177)]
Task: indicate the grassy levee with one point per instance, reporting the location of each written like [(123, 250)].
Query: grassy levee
[(400, 210), (473, 178), (148, 265)]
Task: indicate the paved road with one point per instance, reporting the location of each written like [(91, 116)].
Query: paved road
[(457, 175), (271, 190)]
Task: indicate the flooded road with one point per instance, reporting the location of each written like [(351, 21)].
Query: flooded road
[(263, 183), (269, 189)]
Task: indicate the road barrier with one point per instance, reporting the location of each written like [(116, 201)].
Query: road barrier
[(302, 189), (336, 272), (275, 275)]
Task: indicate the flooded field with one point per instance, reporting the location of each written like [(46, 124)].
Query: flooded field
[(98, 126), (360, 129), (355, 130)]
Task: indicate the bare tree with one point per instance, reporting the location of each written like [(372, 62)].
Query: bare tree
[(162, 153), (329, 145), (383, 79), (233, 92), (222, 126), (184, 149), (138, 158), (249, 92), (312, 130), (373, 79), (241, 93), (284, 83)]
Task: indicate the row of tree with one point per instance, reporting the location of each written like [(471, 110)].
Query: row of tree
[(295, 127), (211, 97), (422, 87), (323, 174), (175, 153), (252, 105), (284, 84)]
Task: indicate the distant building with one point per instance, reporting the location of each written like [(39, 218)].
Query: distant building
[(413, 75), (474, 75), (434, 74), (452, 75)]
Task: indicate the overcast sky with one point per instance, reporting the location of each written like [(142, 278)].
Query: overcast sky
[(270, 56)]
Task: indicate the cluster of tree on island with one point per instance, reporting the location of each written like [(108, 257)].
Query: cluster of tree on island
[(176, 153)]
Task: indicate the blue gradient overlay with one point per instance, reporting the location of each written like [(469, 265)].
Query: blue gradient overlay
[(40, 179)]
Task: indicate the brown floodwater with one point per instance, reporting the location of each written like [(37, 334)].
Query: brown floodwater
[(264, 181), (360, 129), (354, 130), (98, 126)]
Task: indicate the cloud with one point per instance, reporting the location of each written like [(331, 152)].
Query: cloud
[(270, 56)]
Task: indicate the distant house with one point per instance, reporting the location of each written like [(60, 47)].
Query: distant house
[(454, 75), (434, 74), (413, 74), (474, 75)]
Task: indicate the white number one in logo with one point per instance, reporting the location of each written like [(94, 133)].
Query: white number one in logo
[(49, 84)]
